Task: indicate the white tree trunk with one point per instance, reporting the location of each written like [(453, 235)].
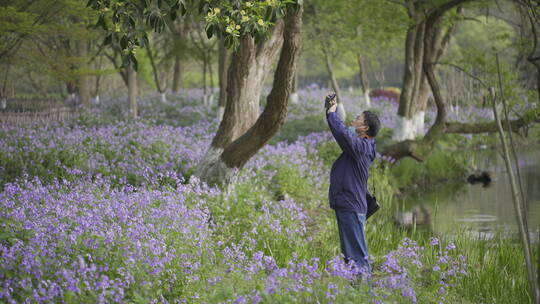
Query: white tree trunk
[(164, 97), (3, 104), (367, 99), (341, 111), (418, 123), (404, 129), (294, 98), (220, 112), (132, 92), (213, 168)]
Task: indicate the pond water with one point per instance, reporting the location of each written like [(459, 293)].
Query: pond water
[(483, 211)]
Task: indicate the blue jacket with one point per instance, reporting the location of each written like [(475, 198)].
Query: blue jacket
[(349, 175)]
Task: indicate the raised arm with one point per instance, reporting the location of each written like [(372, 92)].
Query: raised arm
[(344, 138)]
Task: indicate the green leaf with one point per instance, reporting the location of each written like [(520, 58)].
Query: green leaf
[(173, 13), (108, 39), (101, 22), (229, 41), (183, 9), (209, 31), (268, 13), (124, 42)]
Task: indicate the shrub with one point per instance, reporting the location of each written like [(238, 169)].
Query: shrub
[(391, 94)]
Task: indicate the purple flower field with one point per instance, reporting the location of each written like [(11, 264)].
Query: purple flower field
[(109, 214)]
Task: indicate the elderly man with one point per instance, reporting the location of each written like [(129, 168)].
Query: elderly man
[(348, 179)]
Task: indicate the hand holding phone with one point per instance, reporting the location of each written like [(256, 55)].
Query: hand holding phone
[(329, 101)]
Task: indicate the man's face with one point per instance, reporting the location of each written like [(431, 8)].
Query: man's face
[(359, 125)]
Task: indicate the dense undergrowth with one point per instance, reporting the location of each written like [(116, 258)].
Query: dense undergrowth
[(102, 211)]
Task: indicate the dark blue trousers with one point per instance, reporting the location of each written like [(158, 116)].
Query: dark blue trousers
[(352, 238)]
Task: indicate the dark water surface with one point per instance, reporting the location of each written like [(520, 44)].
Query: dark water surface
[(483, 211)]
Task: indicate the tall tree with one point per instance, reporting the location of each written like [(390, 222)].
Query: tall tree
[(415, 89), (244, 26), (235, 154), (420, 148)]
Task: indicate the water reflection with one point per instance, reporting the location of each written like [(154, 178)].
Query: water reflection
[(485, 211)]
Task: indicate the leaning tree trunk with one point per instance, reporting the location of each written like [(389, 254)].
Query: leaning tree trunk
[(223, 64), (132, 91), (364, 81), (335, 85), (237, 140)]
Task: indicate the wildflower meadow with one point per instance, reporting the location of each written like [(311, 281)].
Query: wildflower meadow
[(111, 213)]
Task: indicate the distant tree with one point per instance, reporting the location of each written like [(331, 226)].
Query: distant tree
[(54, 36), (158, 63), (377, 26), (204, 50), (330, 38)]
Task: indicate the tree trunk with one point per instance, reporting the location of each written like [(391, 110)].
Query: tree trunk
[(364, 81), (403, 128), (210, 72), (179, 35), (97, 83), (132, 91), (82, 80), (335, 85), (205, 93), (84, 92), (521, 216), (177, 75), (155, 72), (419, 149), (231, 149), (223, 64), (294, 94), (3, 91), (247, 71), (416, 90)]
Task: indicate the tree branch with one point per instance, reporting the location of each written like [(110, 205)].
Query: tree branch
[(464, 71), (487, 127)]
